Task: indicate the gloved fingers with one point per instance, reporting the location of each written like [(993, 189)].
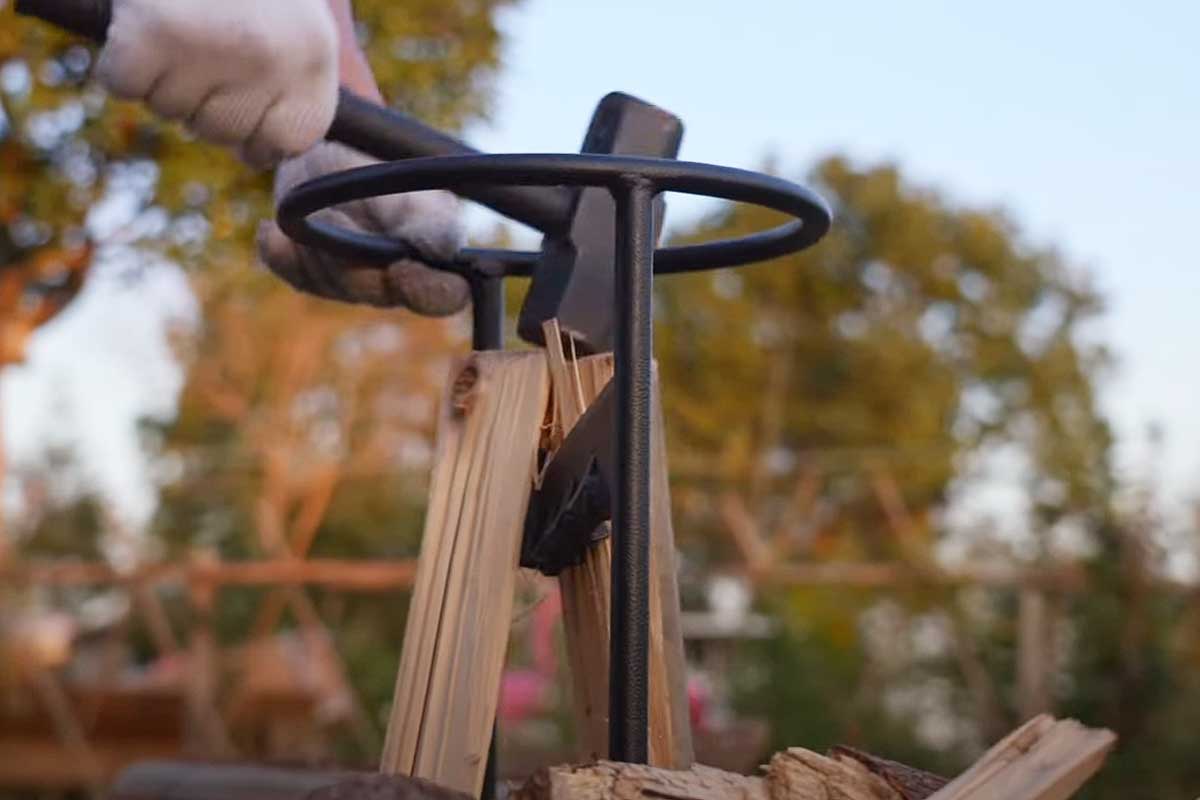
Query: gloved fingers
[(257, 73), (229, 117), (129, 66), (427, 291), (178, 93), (292, 263), (291, 126), (430, 221), (327, 158), (410, 284), (324, 158), (318, 273), (363, 284)]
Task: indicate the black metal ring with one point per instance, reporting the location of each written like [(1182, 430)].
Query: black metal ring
[(614, 172)]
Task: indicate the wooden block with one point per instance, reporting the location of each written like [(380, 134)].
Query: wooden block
[(793, 775), (448, 682), (1044, 759), (585, 588)]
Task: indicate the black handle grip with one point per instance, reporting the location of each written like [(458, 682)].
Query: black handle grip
[(373, 129), (391, 135), (89, 18)]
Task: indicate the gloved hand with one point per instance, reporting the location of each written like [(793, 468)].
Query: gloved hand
[(429, 221), (260, 75)]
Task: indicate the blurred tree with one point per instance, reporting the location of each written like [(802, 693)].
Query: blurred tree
[(825, 406), (304, 428), (1133, 655), (916, 335), (822, 406)]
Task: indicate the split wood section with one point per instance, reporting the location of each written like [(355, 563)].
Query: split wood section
[(585, 588), (1044, 759), (448, 682), (500, 409)]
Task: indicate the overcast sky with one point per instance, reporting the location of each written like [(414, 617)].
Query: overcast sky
[(1081, 118)]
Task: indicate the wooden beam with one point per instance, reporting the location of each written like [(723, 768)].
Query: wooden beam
[(204, 731), (339, 575), (1035, 653), (392, 575), (745, 530), (880, 575), (448, 682)]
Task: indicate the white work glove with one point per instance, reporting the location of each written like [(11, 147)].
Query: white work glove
[(259, 75), (428, 221)]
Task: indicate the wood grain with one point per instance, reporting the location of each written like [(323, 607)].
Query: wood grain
[(1044, 759), (458, 625), (576, 383)]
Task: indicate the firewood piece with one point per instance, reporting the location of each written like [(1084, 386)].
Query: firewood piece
[(1044, 759), (448, 683), (799, 774), (585, 588)]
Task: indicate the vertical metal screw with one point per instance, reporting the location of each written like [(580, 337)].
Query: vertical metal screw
[(628, 689)]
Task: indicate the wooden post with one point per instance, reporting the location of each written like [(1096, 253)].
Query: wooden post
[(205, 734), (146, 599), (67, 726), (4, 543), (448, 683), (1034, 653), (585, 588)]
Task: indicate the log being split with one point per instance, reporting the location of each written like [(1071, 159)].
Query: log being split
[(585, 588), (1045, 759), (492, 424), (795, 774)]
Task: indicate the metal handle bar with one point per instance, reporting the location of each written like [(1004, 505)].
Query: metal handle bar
[(383, 133)]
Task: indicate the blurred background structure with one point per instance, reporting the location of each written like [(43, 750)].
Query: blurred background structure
[(931, 478)]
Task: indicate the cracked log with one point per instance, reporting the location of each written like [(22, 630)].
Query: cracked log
[(1045, 759)]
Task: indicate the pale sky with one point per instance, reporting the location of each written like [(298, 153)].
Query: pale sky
[(1080, 118)]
